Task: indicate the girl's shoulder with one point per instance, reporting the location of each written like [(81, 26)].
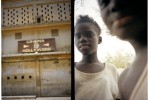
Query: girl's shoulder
[(113, 71)]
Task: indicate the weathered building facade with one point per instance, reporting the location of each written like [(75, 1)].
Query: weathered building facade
[(36, 46)]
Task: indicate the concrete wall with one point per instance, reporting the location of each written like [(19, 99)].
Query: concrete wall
[(45, 74)]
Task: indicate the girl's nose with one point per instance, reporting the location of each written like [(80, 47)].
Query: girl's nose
[(83, 39)]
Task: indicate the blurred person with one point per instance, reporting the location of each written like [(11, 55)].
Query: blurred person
[(127, 19)]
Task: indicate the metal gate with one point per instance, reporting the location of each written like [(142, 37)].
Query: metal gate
[(55, 77), (18, 78), (42, 76)]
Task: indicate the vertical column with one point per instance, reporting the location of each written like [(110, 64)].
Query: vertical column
[(2, 14), (38, 78), (34, 11)]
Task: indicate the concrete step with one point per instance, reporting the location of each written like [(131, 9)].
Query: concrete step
[(34, 98)]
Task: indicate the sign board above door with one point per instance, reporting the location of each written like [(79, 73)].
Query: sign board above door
[(39, 45)]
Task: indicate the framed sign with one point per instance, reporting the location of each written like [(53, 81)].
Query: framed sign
[(39, 45)]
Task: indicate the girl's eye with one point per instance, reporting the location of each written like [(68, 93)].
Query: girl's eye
[(89, 34)]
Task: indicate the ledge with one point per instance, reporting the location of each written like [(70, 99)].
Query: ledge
[(19, 97), (34, 54), (36, 25)]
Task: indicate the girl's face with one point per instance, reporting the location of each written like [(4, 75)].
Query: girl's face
[(126, 19), (86, 38)]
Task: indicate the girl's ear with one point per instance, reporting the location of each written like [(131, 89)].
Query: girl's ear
[(100, 40)]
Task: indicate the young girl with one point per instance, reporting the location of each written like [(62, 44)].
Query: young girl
[(94, 80), (127, 19)]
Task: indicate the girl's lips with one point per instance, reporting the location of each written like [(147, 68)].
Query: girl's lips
[(122, 21), (84, 46)]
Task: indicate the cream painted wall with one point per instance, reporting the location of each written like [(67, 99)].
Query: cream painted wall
[(63, 40)]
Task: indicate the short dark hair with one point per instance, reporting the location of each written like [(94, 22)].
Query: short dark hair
[(86, 18)]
